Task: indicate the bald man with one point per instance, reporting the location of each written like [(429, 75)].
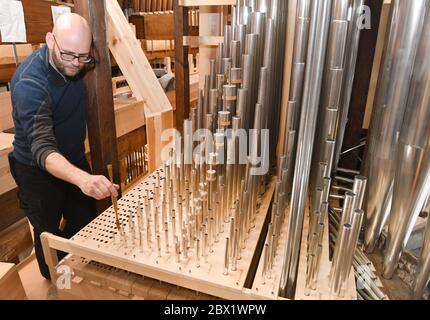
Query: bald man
[(48, 161)]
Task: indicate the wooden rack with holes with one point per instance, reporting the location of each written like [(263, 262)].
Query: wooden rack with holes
[(269, 287), (99, 241)]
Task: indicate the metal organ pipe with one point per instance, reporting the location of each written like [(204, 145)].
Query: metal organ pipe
[(320, 19), (412, 166), (407, 19)]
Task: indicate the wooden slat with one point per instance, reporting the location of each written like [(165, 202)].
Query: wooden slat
[(194, 41), (182, 69), (133, 63), (100, 113), (155, 126), (129, 115)]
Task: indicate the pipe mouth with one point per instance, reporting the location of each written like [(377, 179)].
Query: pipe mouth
[(359, 211), (359, 177), (350, 194)]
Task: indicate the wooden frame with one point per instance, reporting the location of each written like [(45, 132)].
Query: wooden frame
[(207, 279)]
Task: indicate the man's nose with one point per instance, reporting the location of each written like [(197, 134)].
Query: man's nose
[(76, 62)]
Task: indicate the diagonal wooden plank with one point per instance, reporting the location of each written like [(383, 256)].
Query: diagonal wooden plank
[(131, 59)]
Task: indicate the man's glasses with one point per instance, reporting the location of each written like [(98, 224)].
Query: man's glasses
[(69, 57)]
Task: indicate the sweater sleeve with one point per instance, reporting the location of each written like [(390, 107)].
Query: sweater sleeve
[(33, 107)]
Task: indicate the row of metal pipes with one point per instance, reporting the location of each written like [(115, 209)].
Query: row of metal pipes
[(243, 91), (398, 165)]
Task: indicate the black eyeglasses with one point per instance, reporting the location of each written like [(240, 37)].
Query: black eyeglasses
[(68, 56)]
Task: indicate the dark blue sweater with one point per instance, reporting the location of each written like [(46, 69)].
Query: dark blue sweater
[(48, 112)]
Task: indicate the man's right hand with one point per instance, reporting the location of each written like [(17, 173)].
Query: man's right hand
[(98, 187)]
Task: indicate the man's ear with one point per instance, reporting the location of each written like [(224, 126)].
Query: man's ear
[(50, 40)]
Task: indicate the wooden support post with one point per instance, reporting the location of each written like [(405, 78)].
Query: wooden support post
[(100, 106), (360, 90), (182, 69), (50, 255)]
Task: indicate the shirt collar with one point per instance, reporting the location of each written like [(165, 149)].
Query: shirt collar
[(54, 75)]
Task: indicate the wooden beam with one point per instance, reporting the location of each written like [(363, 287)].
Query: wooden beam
[(100, 106), (129, 115), (182, 69)]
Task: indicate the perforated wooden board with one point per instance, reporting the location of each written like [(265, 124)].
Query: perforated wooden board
[(323, 288), (100, 240), (269, 288)]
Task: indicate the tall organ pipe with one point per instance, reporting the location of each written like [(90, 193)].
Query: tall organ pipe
[(412, 175), (353, 40), (320, 19), (407, 19), (331, 91), (296, 83)]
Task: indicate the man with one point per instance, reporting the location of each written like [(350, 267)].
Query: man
[(48, 161)]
